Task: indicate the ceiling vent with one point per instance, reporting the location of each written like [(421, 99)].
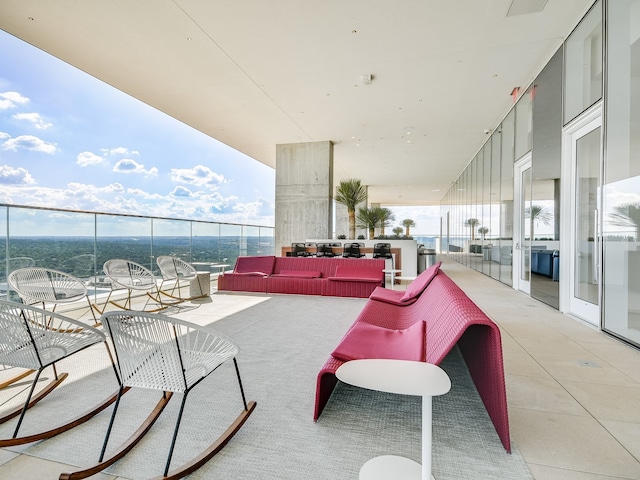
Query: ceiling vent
[(525, 7)]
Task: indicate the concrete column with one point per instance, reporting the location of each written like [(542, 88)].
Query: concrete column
[(304, 192)]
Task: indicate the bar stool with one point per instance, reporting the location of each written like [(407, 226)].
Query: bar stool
[(403, 377)]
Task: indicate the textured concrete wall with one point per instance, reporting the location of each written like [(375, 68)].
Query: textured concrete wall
[(304, 186)]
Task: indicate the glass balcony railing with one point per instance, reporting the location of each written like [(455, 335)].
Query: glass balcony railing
[(78, 243)]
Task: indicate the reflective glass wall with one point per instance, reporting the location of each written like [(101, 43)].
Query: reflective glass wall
[(621, 190)]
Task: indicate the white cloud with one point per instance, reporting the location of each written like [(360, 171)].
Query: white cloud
[(181, 192), (11, 100), (4, 135), (198, 175), (15, 176), (126, 165), (119, 151), (35, 119), (146, 195), (29, 142), (85, 159)]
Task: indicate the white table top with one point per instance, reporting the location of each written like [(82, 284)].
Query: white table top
[(404, 377)]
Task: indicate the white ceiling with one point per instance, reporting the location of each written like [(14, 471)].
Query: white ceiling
[(257, 73)]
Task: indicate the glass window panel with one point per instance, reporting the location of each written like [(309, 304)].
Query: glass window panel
[(4, 265), (205, 244), (621, 193), (494, 225), (123, 237), (230, 243), (507, 130), (583, 65), (267, 241), (54, 239), (524, 121), (546, 156), (587, 184), (251, 240), (173, 238), (485, 224)]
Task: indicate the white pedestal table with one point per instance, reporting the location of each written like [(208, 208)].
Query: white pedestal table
[(403, 377)]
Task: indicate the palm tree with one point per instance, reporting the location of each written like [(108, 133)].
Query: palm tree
[(398, 231), (369, 217), (537, 214), (350, 193), (626, 215), (483, 231), (407, 223), (472, 223), (386, 217)]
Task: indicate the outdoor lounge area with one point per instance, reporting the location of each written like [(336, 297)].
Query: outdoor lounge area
[(571, 395)]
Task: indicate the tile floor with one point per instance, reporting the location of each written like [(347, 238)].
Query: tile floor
[(574, 393)]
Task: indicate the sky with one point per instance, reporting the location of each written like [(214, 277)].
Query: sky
[(70, 141)]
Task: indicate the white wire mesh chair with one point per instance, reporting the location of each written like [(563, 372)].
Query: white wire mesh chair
[(35, 338), (175, 270), (47, 286), (125, 274), (158, 352)]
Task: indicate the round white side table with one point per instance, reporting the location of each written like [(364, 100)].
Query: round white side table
[(392, 274), (403, 377)]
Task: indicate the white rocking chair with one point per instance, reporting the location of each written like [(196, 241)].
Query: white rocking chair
[(125, 274), (34, 338), (46, 286), (162, 353), (176, 270)]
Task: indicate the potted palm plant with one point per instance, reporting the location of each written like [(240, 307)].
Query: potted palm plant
[(350, 193)]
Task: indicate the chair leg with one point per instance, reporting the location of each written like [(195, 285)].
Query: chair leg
[(175, 433), (244, 400), (26, 404), (113, 417)]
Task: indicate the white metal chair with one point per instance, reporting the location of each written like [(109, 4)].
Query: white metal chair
[(125, 274), (46, 286), (35, 338), (175, 270), (158, 352)]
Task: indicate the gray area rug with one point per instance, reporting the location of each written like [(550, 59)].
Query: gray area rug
[(284, 341)]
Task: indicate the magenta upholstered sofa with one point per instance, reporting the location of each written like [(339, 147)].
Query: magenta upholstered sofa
[(434, 316), (343, 277)]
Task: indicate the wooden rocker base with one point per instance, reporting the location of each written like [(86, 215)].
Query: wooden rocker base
[(180, 472), (10, 442), (181, 299), (36, 398), (131, 442), (15, 379), (194, 464)]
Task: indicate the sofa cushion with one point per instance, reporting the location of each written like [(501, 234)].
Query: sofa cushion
[(351, 273), (365, 340), (298, 274), (415, 288), (258, 266), (394, 297)]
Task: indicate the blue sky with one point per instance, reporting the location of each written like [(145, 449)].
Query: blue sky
[(68, 140)]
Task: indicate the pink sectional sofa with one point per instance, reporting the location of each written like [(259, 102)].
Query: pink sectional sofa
[(343, 277), (423, 324)]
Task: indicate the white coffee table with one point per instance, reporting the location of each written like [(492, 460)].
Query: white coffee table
[(392, 274), (403, 377)]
